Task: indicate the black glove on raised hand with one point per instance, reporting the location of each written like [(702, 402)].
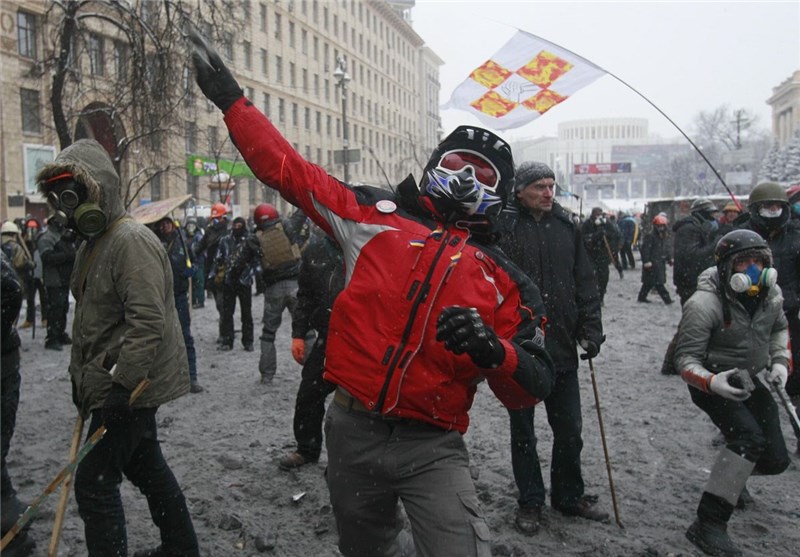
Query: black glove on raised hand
[(214, 79), (463, 331), (591, 347), (116, 410)]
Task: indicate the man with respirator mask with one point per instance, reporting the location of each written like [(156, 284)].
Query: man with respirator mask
[(125, 330), (732, 328)]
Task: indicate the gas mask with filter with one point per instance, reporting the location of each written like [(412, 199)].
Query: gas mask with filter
[(69, 199)]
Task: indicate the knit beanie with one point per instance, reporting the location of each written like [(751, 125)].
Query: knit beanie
[(529, 172)]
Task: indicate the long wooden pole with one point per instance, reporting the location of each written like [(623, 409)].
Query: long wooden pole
[(33, 508), (52, 550), (605, 445)]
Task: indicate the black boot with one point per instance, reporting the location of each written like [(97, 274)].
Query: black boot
[(712, 538)]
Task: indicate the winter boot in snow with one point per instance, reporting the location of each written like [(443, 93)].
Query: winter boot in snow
[(709, 531)]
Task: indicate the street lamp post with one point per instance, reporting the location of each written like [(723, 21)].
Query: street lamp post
[(342, 78)]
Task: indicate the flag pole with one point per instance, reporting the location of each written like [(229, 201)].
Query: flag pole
[(651, 103)]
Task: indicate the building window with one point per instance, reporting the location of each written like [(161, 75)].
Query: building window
[(31, 111), (263, 17), (292, 74), (266, 105), (305, 80), (295, 114), (227, 46), (192, 185), (212, 140), (315, 11), (291, 34), (281, 110), (120, 59), (248, 55), (304, 41), (96, 54), (264, 64), (319, 122), (279, 69), (191, 137), (277, 26), (307, 118), (26, 34), (316, 48), (155, 187)]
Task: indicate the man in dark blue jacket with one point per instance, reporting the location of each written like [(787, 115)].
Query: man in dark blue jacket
[(182, 270), (541, 238)]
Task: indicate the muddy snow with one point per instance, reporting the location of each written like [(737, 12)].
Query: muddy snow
[(224, 443)]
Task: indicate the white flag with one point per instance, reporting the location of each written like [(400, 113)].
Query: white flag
[(522, 81)]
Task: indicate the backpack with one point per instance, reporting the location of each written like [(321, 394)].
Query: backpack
[(276, 248)]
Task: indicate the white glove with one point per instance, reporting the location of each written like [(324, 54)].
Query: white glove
[(778, 374), (647, 265), (719, 385)]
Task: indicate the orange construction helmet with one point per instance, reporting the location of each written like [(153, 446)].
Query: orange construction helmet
[(218, 210), (660, 219)]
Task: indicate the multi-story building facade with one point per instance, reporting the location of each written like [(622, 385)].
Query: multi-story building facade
[(284, 54), (785, 104)]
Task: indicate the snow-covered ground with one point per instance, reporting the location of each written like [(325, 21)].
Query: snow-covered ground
[(223, 446)]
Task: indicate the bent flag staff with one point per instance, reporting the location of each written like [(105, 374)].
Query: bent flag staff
[(530, 75)]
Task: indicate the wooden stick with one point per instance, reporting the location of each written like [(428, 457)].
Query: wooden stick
[(52, 550), (33, 508), (605, 446)]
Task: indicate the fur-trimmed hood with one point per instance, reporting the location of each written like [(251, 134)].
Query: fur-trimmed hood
[(90, 164)]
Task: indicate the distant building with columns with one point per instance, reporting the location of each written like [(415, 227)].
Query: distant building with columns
[(785, 104)]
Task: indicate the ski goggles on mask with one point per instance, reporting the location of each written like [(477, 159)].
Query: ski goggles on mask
[(467, 178)]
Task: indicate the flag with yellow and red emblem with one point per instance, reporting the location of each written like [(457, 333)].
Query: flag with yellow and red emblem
[(522, 81)]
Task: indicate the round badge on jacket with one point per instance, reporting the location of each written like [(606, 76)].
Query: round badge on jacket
[(386, 206)]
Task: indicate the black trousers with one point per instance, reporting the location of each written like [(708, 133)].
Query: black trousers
[(11, 381), (793, 384), (57, 308), (135, 452), (33, 286), (601, 274), (229, 294), (309, 408), (563, 408), (626, 256), (752, 428)]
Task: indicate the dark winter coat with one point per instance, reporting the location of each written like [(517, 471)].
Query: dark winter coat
[(785, 248), (208, 244), (551, 252), (655, 250), (122, 283), (239, 256), (402, 269), (320, 280), (693, 246), (182, 266), (599, 240), (705, 346), (58, 256), (11, 297), (627, 228)]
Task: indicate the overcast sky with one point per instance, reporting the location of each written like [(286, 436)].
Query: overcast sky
[(683, 56)]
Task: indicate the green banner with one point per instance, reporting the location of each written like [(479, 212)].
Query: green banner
[(198, 165)]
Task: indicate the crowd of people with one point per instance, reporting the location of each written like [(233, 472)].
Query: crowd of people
[(401, 302)]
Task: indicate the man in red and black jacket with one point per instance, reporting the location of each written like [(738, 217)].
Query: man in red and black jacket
[(429, 310)]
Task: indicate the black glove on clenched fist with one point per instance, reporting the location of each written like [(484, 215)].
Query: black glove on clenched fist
[(463, 331), (116, 410), (591, 347), (214, 79)]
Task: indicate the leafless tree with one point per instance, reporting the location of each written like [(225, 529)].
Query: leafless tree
[(121, 75)]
